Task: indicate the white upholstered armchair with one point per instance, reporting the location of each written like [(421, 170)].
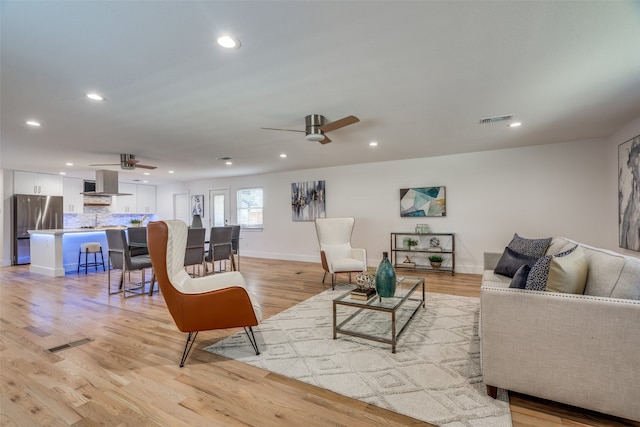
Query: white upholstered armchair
[(334, 237)]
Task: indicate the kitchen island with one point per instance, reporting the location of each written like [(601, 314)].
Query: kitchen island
[(55, 252)]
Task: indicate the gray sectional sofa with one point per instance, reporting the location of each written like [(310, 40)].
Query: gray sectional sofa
[(578, 349)]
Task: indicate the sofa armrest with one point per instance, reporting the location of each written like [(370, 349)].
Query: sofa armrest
[(576, 349), (491, 260)]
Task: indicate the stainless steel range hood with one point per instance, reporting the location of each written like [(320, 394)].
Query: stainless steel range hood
[(106, 184)]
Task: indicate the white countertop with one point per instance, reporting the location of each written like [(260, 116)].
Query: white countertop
[(61, 231)]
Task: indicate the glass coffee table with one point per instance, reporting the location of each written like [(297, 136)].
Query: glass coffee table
[(370, 319)]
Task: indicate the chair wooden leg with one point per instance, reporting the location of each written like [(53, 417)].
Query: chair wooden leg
[(324, 277), (333, 281), (252, 339), (191, 338), (492, 391)]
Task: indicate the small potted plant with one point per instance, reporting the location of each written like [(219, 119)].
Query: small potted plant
[(136, 222), (412, 243), (436, 261)]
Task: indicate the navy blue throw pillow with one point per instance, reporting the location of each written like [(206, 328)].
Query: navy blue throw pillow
[(511, 261), (520, 278)]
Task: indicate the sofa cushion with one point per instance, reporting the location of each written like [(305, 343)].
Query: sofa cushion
[(520, 278), (530, 247), (560, 244), (605, 268), (539, 274), (490, 278), (628, 285), (511, 261), (568, 273)]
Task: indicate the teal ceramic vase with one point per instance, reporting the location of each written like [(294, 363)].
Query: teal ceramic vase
[(385, 278)]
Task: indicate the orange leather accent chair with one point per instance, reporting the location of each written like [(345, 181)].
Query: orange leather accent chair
[(219, 301)]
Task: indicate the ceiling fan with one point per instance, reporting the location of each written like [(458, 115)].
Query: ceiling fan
[(316, 125), (127, 162)]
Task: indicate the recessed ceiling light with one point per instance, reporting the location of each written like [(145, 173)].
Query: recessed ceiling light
[(147, 173), (63, 173), (229, 42), (228, 163), (95, 96), (283, 155), (33, 123), (515, 125), (171, 172), (69, 164), (373, 144), (145, 181)]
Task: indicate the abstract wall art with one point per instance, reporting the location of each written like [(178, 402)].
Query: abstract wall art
[(423, 201), (308, 200), (197, 204), (629, 194)]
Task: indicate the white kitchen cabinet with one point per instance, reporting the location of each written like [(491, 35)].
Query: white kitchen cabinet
[(146, 199), (37, 183), (125, 204), (73, 200)]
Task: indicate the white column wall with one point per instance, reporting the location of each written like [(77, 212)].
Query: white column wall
[(547, 190)]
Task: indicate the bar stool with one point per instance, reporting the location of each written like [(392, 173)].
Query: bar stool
[(90, 248)]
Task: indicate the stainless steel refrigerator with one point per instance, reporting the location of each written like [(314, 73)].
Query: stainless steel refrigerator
[(33, 213)]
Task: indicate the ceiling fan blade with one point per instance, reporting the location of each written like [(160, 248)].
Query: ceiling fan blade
[(132, 162), (326, 140), (345, 121), (106, 164), (145, 166), (288, 130)]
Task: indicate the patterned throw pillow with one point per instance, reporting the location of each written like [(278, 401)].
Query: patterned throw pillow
[(511, 261), (537, 278), (530, 247)]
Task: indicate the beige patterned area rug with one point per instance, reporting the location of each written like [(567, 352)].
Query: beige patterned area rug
[(434, 376)]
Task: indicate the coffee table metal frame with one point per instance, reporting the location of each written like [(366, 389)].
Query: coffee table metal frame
[(388, 305)]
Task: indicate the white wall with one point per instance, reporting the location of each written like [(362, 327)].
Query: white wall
[(549, 190)]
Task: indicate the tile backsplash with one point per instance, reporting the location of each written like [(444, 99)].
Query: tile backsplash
[(100, 216)]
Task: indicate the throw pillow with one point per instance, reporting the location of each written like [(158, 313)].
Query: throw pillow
[(530, 247), (569, 272), (520, 278), (537, 278), (511, 261)]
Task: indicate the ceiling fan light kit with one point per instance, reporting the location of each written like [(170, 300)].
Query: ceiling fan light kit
[(316, 125), (127, 162)]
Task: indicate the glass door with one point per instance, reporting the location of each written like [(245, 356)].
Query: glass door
[(219, 207)]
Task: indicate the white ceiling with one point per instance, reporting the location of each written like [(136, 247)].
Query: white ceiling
[(419, 75)]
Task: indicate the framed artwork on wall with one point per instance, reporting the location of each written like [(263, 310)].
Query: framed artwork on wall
[(197, 204), (423, 201), (308, 200), (629, 194)]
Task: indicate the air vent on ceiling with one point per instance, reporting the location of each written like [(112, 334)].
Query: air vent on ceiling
[(496, 119)]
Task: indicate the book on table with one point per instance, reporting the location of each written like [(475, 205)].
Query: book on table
[(363, 294)]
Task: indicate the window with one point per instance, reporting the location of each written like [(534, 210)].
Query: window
[(249, 209)]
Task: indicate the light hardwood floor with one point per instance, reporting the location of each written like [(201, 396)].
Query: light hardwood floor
[(128, 374)]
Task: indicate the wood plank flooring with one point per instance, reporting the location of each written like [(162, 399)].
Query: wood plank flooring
[(128, 374)]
